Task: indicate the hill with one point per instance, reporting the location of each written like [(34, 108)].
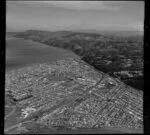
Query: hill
[(113, 33), (118, 56)]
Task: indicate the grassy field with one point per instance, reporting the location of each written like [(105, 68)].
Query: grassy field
[(20, 53)]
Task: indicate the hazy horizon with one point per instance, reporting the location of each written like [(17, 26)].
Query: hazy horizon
[(75, 15)]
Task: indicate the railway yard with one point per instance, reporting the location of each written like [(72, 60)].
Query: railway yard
[(71, 94)]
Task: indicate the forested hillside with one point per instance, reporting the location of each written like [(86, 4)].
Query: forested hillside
[(120, 57)]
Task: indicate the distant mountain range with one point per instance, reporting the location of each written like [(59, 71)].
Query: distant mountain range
[(114, 32), (103, 32)]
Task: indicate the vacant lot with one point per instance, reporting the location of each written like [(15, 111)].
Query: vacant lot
[(20, 53)]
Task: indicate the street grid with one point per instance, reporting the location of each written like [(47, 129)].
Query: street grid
[(71, 94)]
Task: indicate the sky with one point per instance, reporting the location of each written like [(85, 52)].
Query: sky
[(74, 15)]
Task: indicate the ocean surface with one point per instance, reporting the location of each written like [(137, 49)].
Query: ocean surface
[(21, 53)]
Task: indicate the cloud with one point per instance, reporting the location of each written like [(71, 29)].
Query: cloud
[(138, 26), (85, 5), (75, 5)]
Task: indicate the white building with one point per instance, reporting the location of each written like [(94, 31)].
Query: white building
[(27, 111)]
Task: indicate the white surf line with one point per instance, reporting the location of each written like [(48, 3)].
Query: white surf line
[(14, 108), (9, 106), (14, 126)]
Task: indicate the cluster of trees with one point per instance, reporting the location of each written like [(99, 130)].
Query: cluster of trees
[(105, 53)]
